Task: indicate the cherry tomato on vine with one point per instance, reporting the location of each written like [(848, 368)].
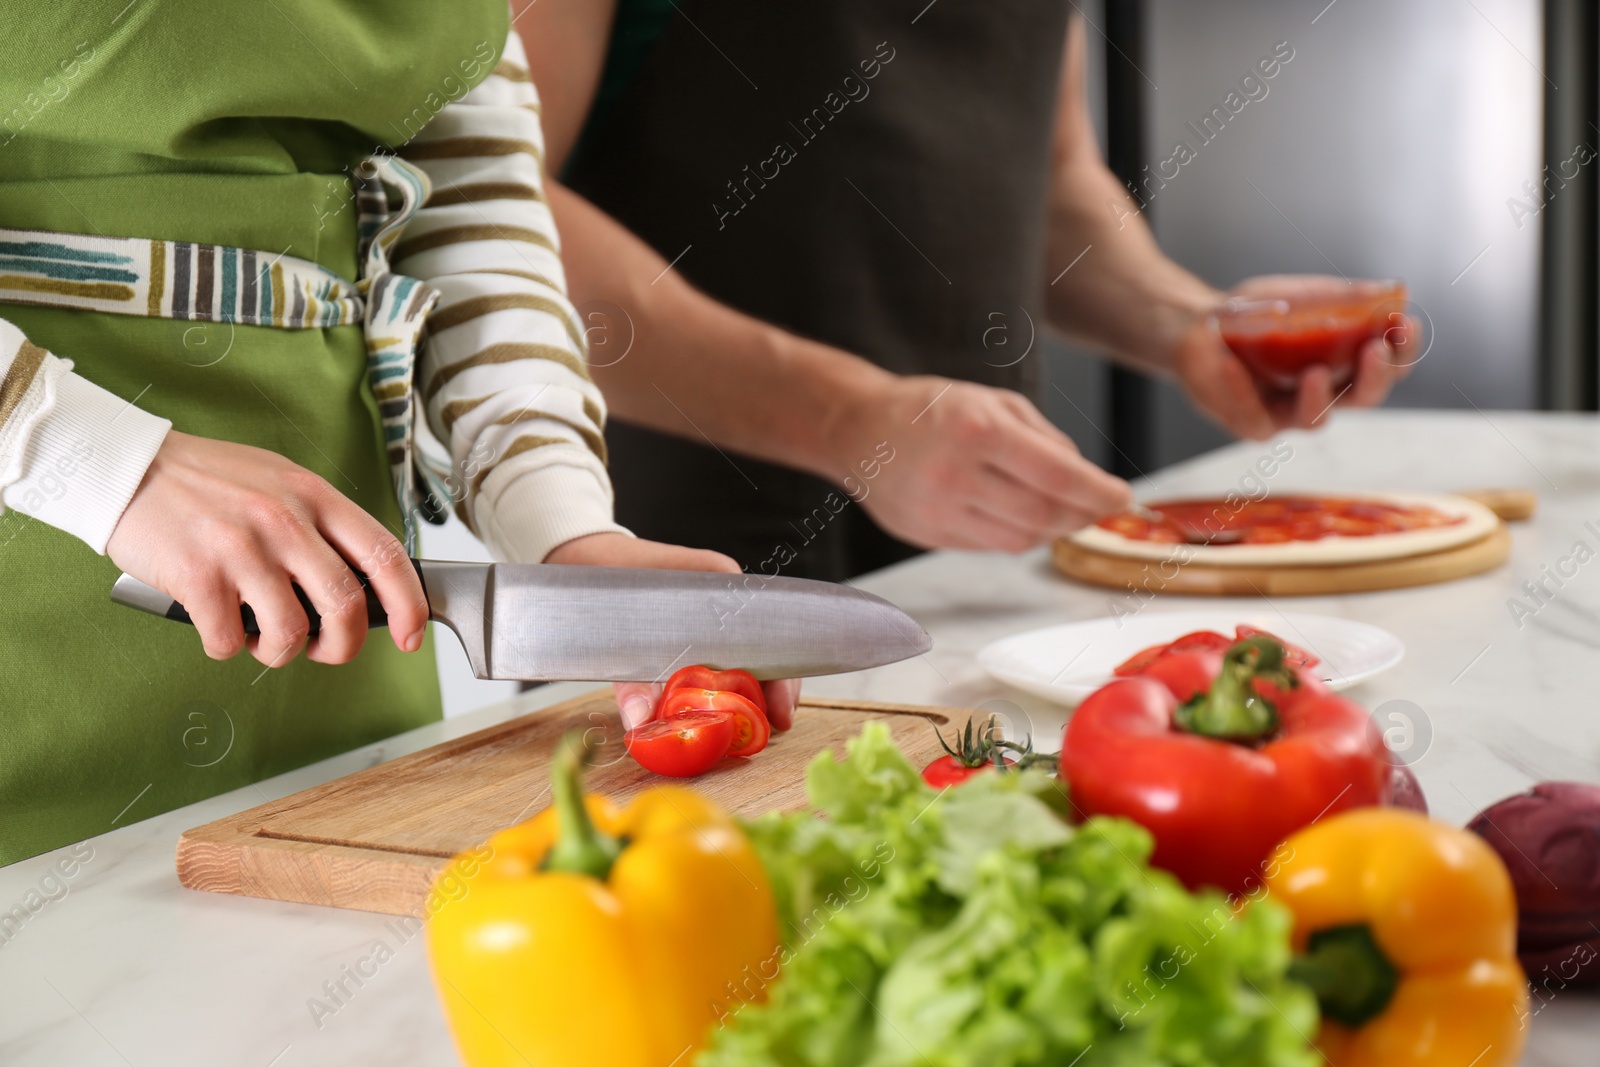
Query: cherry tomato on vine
[(975, 750), (949, 770)]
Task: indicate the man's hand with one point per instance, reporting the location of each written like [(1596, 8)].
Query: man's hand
[(637, 700), (968, 467), (1222, 387), (215, 525)]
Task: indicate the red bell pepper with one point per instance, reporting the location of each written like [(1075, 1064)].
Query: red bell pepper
[(1221, 778)]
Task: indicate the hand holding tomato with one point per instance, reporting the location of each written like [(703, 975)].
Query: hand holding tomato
[(638, 701), (611, 549), (734, 692), (1221, 385), (702, 717)]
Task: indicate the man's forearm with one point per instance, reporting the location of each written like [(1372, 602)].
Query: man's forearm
[(1123, 295), (697, 368)]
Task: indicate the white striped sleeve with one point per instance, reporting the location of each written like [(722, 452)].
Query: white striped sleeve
[(503, 377), (71, 453)]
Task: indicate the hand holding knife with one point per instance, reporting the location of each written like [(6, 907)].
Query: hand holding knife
[(547, 622)]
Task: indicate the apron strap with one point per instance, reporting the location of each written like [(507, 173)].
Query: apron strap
[(389, 192), (172, 280), (215, 283)]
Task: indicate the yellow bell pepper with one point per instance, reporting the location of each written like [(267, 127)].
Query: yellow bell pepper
[(596, 934), (1406, 930)]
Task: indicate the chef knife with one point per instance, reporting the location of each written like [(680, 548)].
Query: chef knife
[(543, 622)]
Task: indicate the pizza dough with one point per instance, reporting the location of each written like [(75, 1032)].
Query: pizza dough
[(1477, 522)]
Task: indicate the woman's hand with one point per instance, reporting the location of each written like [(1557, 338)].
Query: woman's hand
[(1222, 387), (215, 525), (623, 550), (638, 700)]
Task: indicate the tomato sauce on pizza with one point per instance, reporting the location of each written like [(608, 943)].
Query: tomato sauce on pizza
[(1276, 520)]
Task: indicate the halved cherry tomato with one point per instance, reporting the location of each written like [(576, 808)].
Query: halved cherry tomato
[(750, 727), (683, 746), (731, 681)]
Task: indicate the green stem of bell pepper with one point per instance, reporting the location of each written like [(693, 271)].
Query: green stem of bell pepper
[(1232, 710), (1352, 978), (581, 848)]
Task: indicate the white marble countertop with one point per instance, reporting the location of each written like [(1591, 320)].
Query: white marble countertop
[(126, 967)]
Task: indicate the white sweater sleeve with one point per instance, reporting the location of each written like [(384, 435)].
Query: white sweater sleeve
[(504, 377), (71, 453)]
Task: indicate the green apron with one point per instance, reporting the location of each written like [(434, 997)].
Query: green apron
[(232, 124)]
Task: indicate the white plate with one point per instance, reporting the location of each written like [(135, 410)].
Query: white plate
[(1066, 663)]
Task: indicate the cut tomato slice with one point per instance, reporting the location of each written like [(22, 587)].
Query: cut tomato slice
[(731, 681), (1198, 641), (750, 727), (1139, 661), (1201, 641), (683, 746)]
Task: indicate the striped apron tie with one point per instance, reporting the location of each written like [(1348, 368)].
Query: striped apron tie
[(213, 283)]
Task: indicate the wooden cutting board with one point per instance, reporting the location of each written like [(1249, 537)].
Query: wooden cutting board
[(374, 840), (1143, 577)]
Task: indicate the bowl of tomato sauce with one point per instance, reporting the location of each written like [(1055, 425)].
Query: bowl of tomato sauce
[(1279, 337)]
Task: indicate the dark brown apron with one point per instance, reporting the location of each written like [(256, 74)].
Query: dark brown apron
[(870, 175)]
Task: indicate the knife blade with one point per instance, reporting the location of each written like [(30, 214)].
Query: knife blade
[(540, 622)]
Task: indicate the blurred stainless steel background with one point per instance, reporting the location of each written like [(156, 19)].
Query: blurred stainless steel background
[(1389, 146)]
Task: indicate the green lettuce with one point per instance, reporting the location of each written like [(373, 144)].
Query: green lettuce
[(976, 928)]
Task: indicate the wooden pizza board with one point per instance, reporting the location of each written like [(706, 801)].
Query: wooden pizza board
[(374, 840), (1209, 579)]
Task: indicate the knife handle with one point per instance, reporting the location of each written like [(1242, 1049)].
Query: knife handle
[(133, 593)]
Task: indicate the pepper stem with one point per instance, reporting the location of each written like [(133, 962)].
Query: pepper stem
[(580, 847), (1232, 710), (1352, 978)]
